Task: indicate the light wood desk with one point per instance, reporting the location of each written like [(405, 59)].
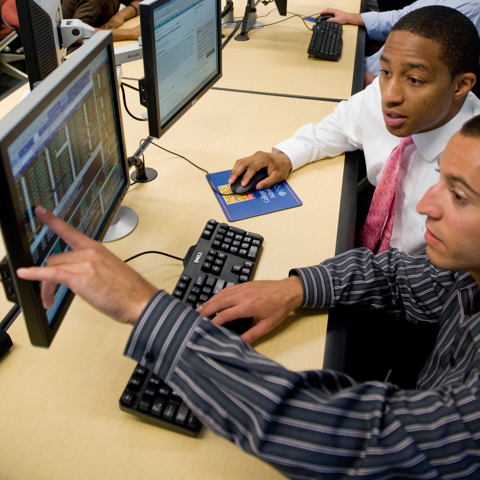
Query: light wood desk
[(60, 415), (275, 58)]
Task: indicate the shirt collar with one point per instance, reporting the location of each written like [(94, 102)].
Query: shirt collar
[(431, 144)]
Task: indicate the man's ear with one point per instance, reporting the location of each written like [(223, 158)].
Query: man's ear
[(464, 82)]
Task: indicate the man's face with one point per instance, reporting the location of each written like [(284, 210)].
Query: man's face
[(452, 207), (417, 88)]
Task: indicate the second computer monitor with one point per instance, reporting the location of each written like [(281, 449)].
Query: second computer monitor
[(181, 42)]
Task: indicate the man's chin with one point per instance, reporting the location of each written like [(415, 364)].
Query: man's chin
[(440, 260)]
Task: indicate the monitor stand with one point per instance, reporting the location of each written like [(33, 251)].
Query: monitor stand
[(249, 21), (126, 219), (122, 225)]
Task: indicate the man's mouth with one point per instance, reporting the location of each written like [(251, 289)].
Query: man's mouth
[(393, 119), (431, 239)]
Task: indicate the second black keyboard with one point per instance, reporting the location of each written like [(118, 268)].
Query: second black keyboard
[(223, 256), (326, 41)]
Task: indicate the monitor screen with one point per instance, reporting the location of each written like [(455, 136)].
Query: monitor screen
[(62, 148), (181, 41), (40, 22)]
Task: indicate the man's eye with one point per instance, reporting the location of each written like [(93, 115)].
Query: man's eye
[(415, 81), (457, 197)]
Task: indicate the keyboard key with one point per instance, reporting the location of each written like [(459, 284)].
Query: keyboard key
[(128, 399), (144, 404), (182, 414), (157, 406), (218, 286), (165, 390), (193, 422), (135, 383), (170, 410), (200, 280)]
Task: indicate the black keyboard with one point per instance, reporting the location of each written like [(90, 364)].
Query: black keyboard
[(223, 256), (327, 41)]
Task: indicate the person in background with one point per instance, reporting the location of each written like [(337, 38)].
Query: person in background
[(402, 122), (379, 24), (319, 424), (105, 15)]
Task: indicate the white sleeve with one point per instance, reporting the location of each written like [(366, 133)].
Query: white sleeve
[(339, 132)]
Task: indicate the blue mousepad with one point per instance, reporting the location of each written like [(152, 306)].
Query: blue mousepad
[(259, 202)]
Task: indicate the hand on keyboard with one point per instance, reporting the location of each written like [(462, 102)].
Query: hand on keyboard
[(267, 302)]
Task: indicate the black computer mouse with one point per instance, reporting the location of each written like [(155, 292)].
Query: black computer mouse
[(324, 17), (257, 177)]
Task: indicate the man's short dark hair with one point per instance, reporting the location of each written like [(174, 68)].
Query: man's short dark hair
[(471, 128), (456, 34)]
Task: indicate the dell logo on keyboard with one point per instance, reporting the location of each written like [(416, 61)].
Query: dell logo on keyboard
[(198, 257)]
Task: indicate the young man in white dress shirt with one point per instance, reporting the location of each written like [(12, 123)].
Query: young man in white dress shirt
[(428, 69)]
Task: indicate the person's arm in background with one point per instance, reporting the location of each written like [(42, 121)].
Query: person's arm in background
[(119, 34), (117, 20), (343, 18)]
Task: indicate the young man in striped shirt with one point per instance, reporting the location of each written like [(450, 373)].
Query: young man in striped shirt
[(319, 424)]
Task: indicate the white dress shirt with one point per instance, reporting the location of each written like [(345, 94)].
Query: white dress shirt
[(379, 24), (358, 124)]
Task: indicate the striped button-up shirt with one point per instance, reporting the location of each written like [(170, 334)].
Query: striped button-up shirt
[(323, 424)]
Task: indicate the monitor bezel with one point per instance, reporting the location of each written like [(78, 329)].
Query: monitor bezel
[(147, 8), (41, 333)]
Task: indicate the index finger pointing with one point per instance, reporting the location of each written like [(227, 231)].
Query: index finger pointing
[(66, 232)]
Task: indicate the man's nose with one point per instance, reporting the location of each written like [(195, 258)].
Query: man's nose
[(392, 92)]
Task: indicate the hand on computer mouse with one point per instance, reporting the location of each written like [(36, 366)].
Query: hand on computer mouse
[(341, 17), (278, 167)]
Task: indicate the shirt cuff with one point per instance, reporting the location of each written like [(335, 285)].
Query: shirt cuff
[(317, 286), (294, 151), (161, 334)]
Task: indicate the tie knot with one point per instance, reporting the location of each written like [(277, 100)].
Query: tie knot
[(406, 141)]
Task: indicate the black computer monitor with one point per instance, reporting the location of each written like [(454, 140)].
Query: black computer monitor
[(181, 41), (61, 147), (40, 22)]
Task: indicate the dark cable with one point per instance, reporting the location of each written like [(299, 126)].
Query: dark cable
[(130, 86), (196, 166), (122, 86), (10, 317), (153, 251), (293, 15)]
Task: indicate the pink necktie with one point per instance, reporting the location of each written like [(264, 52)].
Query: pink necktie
[(377, 229)]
